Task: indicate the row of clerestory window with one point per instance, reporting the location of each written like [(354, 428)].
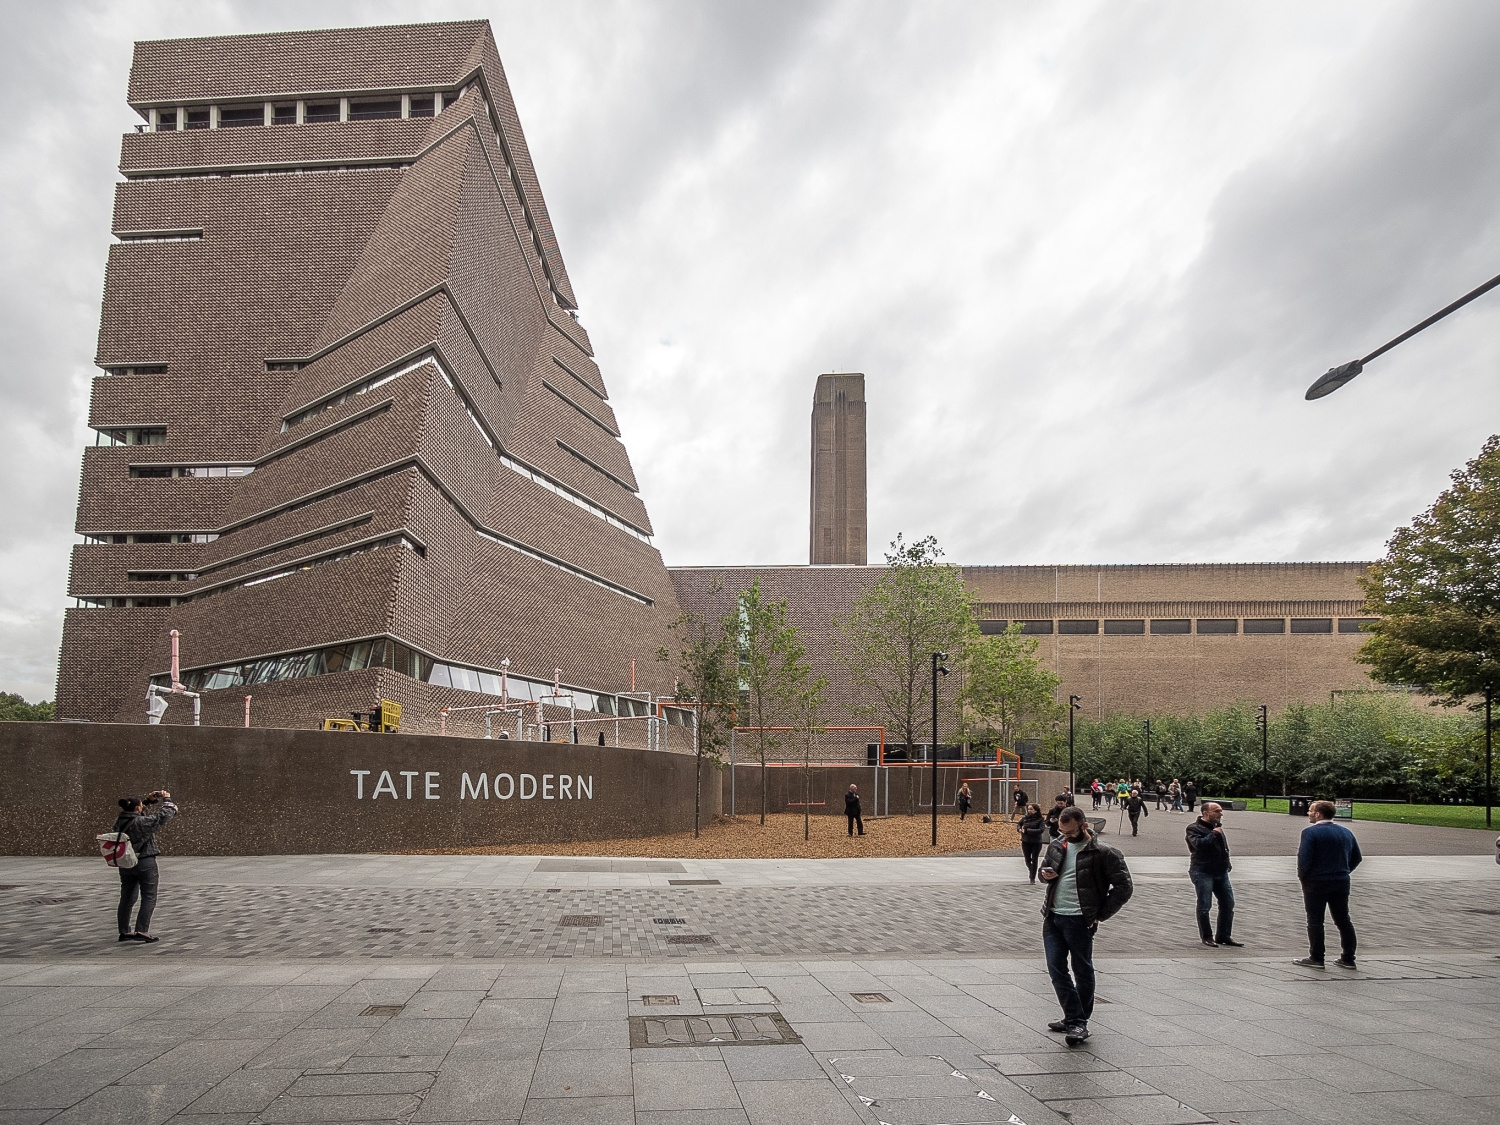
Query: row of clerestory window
[(132, 435), (201, 471), (314, 110), (120, 538), (1182, 626)]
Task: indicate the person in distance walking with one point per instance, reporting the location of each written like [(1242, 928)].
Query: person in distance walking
[(1326, 858), (1033, 829), (1135, 808), (1209, 869), (852, 810)]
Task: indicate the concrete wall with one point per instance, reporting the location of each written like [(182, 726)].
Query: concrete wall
[(267, 792), (784, 788)]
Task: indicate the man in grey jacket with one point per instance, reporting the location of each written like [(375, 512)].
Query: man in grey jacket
[(1087, 883)]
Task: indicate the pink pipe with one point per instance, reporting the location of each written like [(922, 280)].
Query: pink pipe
[(247, 710), (176, 664)]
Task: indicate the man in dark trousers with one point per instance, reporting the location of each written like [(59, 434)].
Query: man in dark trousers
[(1190, 795), (1209, 870), (1087, 883), (1056, 811), (851, 810), (1326, 857), (1135, 808)]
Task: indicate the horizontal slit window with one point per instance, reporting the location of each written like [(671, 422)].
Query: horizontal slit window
[(132, 435), (591, 463), (375, 110), (1356, 624), (322, 111), (240, 116), (421, 105), (284, 114), (1217, 626), (1078, 628), (993, 628), (197, 118), (1036, 628), (1265, 625), (1124, 628), (1170, 627), (1312, 624)]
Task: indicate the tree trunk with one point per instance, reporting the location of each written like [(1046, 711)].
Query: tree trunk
[(697, 774), (806, 786)]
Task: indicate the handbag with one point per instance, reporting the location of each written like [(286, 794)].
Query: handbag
[(117, 849)]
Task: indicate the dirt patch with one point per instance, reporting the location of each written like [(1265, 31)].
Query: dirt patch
[(781, 838)]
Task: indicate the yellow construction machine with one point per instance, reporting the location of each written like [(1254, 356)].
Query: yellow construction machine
[(386, 719)]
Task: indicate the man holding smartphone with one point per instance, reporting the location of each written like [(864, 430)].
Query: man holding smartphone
[(1087, 883)]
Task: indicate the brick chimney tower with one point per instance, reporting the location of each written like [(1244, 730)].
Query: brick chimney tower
[(839, 520)]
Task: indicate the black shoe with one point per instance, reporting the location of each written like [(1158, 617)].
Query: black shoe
[(1346, 963), (1210, 943), (1076, 1035), (147, 938), (1059, 1025), (126, 937), (1231, 943), (1308, 963)]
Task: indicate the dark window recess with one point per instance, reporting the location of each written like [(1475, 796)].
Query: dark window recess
[(1312, 624), (322, 111), (1078, 628), (152, 537), (1217, 626), (282, 365), (1124, 628), (239, 116), (421, 105), (284, 114), (139, 369), (1164, 627), (1355, 624), (134, 435), (993, 628), (1036, 628), (197, 118), (159, 576), (151, 470), (1265, 625), (382, 110)]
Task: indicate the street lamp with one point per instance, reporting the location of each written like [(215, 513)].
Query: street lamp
[(1074, 703), (1335, 377), (1263, 724), (937, 667)]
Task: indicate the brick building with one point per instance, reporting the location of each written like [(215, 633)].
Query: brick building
[(352, 441), (353, 444)]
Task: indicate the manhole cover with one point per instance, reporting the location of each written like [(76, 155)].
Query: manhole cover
[(871, 997), (581, 921), (693, 883), (691, 939), (385, 929), (554, 890), (670, 921), (660, 1001), (383, 1010), (752, 1029)]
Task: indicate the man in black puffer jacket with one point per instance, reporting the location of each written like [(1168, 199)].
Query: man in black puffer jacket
[(142, 878), (1209, 869), (1087, 883)]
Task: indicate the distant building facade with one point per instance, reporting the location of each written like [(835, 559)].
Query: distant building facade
[(839, 507)]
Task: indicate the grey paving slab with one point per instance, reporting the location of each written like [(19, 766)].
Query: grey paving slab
[(244, 1091), (580, 1074), (477, 1091), (580, 1111), (796, 1103), (697, 1085)]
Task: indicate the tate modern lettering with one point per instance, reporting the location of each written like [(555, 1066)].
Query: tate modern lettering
[(427, 785)]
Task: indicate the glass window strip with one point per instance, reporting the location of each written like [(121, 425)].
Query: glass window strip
[(363, 387)]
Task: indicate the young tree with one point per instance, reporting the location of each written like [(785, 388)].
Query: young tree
[(1007, 693), (807, 707), (917, 607), (1437, 594), (771, 670), (705, 660)]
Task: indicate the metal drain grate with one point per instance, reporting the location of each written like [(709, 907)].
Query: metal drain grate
[(660, 1001), (871, 997), (385, 930), (383, 1010), (581, 921), (693, 883), (669, 921), (753, 1029), (691, 939)]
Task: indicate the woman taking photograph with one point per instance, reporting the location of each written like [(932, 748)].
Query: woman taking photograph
[(1033, 830), (141, 879)]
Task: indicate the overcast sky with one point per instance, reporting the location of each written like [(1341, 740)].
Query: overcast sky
[(1088, 256)]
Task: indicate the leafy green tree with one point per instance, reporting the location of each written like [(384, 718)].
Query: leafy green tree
[(15, 709), (705, 660), (772, 671), (1007, 694), (1437, 594), (918, 606)]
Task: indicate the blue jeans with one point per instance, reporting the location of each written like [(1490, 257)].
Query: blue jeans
[(1064, 935), (1210, 887)]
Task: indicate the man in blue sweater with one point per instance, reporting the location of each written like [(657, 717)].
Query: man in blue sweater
[(1326, 856)]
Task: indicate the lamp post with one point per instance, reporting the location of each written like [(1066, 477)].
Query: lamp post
[(1335, 377), (1074, 703), (937, 666), (1148, 751), (1263, 724)]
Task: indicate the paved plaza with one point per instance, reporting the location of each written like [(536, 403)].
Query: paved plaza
[(524, 989)]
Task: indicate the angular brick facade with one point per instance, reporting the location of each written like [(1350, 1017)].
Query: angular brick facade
[(338, 309)]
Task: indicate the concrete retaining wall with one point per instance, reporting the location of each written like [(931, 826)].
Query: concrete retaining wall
[(784, 787), (265, 792)]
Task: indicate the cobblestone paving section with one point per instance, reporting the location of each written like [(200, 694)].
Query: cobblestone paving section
[(522, 923), (1175, 1042)]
